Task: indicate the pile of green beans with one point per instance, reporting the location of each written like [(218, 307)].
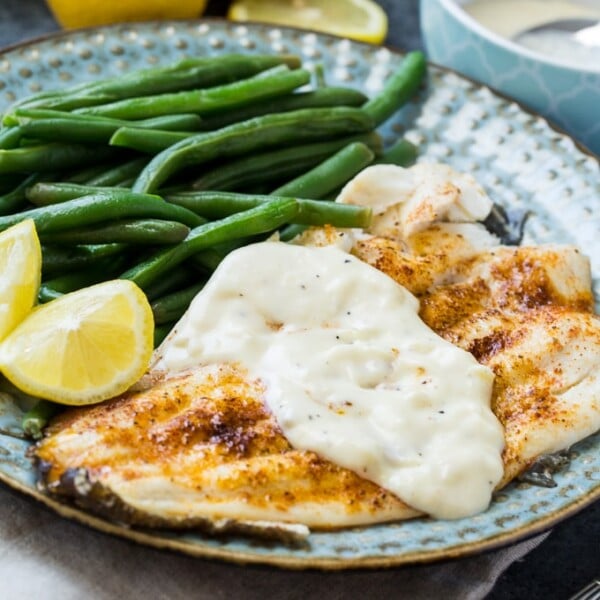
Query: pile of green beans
[(134, 177)]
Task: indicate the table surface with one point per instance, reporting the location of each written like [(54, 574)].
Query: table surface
[(570, 557)]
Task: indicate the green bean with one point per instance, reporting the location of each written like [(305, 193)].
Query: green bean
[(135, 232), (161, 332), (48, 192), (319, 98), (62, 102), (58, 99), (277, 165), (35, 419), (51, 289), (253, 135), (32, 99), (171, 307), (398, 89), (24, 116), (47, 293), (69, 130), (97, 208), (191, 72), (264, 218), (82, 176), (402, 153), (330, 174), (118, 174), (149, 141), (17, 198), (172, 280), (57, 260), (88, 129), (289, 232), (186, 74), (320, 81), (127, 182), (275, 82), (10, 138), (51, 157), (179, 122), (9, 182), (72, 281), (208, 260), (317, 183), (216, 205)]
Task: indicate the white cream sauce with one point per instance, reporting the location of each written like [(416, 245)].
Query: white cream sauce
[(350, 372), (510, 18)]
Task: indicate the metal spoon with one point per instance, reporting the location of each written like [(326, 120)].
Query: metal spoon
[(585, 32)]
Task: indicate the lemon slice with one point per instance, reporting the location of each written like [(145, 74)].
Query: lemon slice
[(20, 264), (362, 20), (84, 347)]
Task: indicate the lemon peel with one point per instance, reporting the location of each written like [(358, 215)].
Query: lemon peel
[(75, 13)]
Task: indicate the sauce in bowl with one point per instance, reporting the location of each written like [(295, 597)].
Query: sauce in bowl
[(512, 18)]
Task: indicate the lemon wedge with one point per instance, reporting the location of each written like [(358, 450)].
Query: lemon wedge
[(78, 13), (83, 347), (362, 20), (21, 263)]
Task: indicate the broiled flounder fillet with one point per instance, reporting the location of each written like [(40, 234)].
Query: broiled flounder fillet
[(524, 312), (201, 449), (515, 278), (197, 449)]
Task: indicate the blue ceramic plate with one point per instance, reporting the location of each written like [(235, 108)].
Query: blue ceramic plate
[(517, 156)]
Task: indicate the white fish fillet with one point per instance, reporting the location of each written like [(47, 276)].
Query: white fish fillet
[(200, 449)]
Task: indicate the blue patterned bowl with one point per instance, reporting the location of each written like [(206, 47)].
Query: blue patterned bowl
[(568, 96)]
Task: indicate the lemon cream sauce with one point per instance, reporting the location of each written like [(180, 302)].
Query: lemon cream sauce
[(511, 18), (350, 372)]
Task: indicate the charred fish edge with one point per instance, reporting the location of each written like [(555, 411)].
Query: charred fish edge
[(76, 485)]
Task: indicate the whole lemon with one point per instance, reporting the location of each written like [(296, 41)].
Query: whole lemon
[(77, 13)]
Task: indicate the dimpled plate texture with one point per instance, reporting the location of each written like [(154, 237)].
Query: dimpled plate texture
[(521, 161)]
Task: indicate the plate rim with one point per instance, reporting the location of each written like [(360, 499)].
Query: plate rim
[(141, 537), (149, 539)]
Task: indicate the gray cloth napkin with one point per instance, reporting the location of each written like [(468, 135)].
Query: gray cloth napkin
[(45, 557)]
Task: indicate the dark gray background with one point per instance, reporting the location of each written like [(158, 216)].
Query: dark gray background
[(570, 557)]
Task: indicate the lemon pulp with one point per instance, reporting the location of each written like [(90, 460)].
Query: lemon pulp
[(83, 347), (362, 20), (21, 263)]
